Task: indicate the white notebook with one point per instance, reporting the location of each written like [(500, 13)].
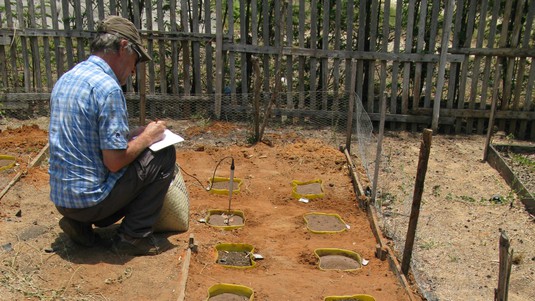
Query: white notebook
[(170, 138)]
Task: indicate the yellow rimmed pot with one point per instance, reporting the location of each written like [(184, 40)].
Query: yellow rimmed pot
[(217, 218), (235, 255), (359, 297), (312, 227), (231, 289), (299, 185), (217, 188), (338, 259), (7, 162)]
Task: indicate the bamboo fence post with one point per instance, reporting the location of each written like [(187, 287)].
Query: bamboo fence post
[(416, 199)]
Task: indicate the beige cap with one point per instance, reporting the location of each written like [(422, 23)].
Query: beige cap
[(126, 29)]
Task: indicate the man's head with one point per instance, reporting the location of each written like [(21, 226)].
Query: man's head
[(112, 30)]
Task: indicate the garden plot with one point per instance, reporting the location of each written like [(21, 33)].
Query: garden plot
[(39, 262)]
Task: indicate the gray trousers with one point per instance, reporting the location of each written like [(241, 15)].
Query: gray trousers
[(137, 196)]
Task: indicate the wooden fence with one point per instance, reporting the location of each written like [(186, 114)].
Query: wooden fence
[(437, 61)]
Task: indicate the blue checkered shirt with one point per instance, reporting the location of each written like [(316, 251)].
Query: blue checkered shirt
[(88, 114)]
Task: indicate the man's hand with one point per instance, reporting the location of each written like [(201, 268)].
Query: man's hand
[(114, 160)]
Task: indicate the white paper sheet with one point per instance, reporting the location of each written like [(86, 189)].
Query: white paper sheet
[(169, 139)]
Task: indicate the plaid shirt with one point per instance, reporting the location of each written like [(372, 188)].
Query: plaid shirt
[(88, 114)]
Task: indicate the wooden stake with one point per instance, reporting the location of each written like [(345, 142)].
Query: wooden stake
[(506, 259), (416, 200), (185, 270)]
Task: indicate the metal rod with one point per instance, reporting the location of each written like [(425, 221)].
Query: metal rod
[(231, 185)]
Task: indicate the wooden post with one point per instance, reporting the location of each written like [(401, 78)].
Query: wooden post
[(506, 259), (351, 108), (185, 269), (379, 147), (442, 63), (416, 199), (492, 109)]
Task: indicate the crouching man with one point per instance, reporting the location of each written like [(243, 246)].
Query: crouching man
[(100, 174)]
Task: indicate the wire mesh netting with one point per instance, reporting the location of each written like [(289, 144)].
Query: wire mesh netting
[(323, 115)]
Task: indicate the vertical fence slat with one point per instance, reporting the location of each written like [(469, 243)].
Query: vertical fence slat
[(186, 57), (196, 48), (509, 62), (113, 7), (492, 28), (209, 49), (218, 58), (349, 43), (325, 46), (464, 66), (384, 48), (279, 28), (126, 14), (520, 70), (361, 38), (12, 49), (100, 9), (417, 89), (265, 38), (174, 44), (124, 9), (4, 42), (372, 47), (231, 55), (89, 14), (34, 46), (58, 48), (395, 64), (313, 46), (161, 49), (289, 58), (454, 68), (430, 67), (46, 48), (448, 18), (24, 46), (65, 8), (302, 59), (336, 63), (407, 65), (150, 48), (243, 41), (530, 81), (476, 69), (528, 102), (79, 27)]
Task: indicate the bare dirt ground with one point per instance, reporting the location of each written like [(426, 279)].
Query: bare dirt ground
[(456, 251), (457, 245), (39, 262)]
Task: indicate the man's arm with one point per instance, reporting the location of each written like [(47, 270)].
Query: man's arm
[(115, 159)]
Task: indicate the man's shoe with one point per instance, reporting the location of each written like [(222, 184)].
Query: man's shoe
[(80, 233), (145, 246)]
